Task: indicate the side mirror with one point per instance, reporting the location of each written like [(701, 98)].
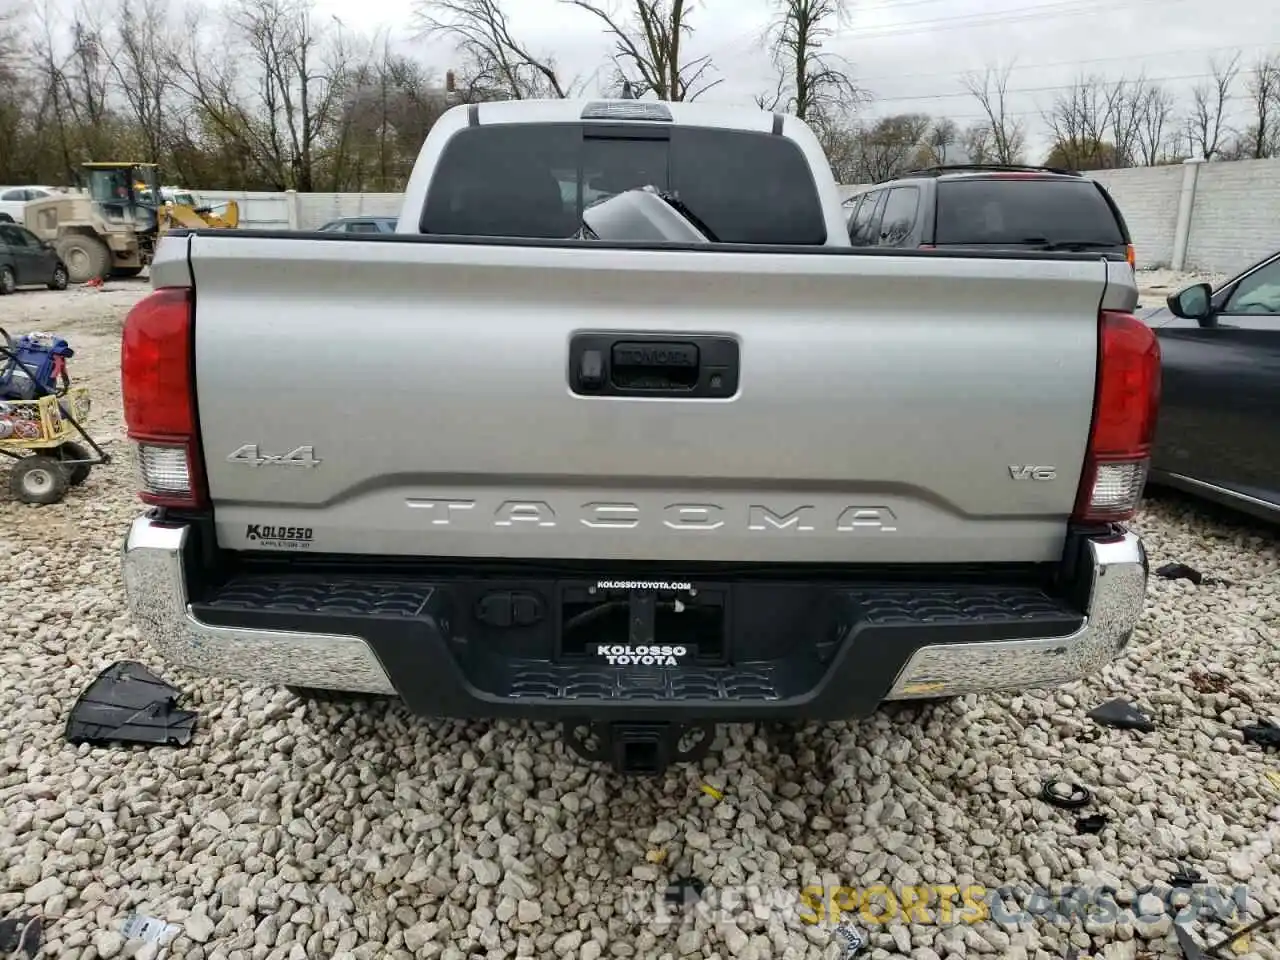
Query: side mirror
[(1192, 303)]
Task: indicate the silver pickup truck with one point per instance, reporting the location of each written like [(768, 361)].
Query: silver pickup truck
[(498, 465)]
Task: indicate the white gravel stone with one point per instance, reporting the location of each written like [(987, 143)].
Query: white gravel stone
[(290, 830), (46, 889)]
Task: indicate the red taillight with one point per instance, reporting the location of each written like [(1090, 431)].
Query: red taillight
[(1131, 255), (159, 398), (1126, 402)]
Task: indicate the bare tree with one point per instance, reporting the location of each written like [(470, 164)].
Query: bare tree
[(388, 107), (647, 46), (1126, 101), (812, 83), (1077, 120), (1207, 120), (888, 146), (272, 111), (498, 65), (143, 48), (840, 144), (1008, 134), (13, 97), (976, 142), (1263, 134), (1153, 124), (943, 136)]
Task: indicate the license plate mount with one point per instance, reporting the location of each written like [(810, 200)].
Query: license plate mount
[(643, 623)]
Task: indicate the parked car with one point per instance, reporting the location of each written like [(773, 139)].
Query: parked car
[(1219, 427), (639, 486), (360, 225), (26, 260), (990, 207), (13, 201)]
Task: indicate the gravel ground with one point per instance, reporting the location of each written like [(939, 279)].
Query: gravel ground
[(291, 830)]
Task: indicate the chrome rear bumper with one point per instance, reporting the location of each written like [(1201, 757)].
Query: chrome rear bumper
[(1116, 598), (156, 584), (155, 565)]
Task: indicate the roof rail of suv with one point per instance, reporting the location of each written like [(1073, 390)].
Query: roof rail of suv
[(981, 167)]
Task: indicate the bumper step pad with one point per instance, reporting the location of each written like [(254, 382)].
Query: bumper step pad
[(839, 661)]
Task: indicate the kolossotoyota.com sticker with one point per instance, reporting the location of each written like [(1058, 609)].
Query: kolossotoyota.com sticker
[(657, 656)]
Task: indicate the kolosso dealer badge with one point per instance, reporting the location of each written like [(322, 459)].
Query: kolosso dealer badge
[(663, 656)]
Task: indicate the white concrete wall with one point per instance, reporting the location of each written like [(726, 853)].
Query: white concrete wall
[(302, 211), (1233, 218), (1148, 198)]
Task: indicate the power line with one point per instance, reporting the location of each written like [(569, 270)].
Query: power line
[(1052, 10), (1016, 67), (1048, 89), (1046, 11)]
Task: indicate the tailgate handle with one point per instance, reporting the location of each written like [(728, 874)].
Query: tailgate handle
[(694, 367), (655, 365)]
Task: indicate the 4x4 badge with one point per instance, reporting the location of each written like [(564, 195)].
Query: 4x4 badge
[(299, 457)]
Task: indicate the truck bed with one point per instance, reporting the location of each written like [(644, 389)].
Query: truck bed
[(884, 411)]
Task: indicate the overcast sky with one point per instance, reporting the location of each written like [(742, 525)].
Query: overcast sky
[(912, 54)]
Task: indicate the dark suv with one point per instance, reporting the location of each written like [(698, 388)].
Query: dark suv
[(986, 207)]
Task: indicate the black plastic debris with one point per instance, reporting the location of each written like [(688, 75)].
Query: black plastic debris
[(20, 935), (1181, 571), (1264, 733), (128, 703), (1067, 796), (1092, 823), (1214, 951), (684, 892), (1186, 877), (1122, 715)]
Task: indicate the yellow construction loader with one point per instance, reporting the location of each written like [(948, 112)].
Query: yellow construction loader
[(111, 228)]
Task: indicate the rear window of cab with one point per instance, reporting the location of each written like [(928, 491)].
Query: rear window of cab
[(1023, 210), (533, 180)]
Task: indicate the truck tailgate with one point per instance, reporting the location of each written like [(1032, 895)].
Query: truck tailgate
[(884, 404)]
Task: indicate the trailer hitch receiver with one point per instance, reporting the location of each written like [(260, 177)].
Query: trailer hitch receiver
[(639, 749)]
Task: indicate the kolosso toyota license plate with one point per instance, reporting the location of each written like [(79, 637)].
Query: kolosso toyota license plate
[(649, 656)]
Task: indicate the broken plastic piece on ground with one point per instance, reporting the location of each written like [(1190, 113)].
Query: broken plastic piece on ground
[(1068, 796), (128, 703), (136, 926), (684, 892), (1187, 876), (1122, 715), (1181, 571), (854, 940), (1092, 823), (20, 935), (1264, 733), (1238, 939), (1188, 946)]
